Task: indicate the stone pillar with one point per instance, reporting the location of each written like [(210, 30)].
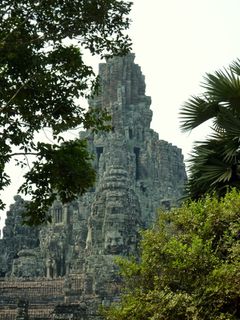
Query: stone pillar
[(65, 214)]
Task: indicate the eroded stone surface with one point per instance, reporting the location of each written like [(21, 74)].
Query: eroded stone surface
[(16, 237), (137, 173)]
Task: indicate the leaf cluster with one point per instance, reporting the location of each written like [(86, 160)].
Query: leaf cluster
[(65, 171), (43, 74), (189, 267)]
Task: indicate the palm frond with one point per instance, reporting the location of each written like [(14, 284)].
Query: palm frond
[(215, 162), (217, 173), (227, 120), (196, 111), (235, 67), (230, 150), (217, 146), (226, 142), (222, 85)]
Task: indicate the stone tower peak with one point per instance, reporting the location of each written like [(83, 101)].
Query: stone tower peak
[(122, 93)]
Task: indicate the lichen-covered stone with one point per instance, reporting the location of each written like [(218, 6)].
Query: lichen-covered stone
[(136, 174), (16, 237)]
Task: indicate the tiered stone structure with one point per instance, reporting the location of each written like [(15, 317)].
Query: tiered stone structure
[(65, 270)]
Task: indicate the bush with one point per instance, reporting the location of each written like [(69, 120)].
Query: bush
[(189, 266)]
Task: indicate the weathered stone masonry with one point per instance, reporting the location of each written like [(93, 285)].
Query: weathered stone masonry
[(65, 270)]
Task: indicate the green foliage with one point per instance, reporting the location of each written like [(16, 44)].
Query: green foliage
[(190, 265), (42, 74), (215, 163), (66, 172)]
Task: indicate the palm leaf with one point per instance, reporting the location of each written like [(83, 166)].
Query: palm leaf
[(215, 163), (229, 122), (222, 85), (230, 150), (226, 144), (209, 167), (217, 173), (235, 66), (196, 111)]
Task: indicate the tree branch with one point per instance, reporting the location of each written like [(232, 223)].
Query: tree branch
[(23, 154), (15, 94)]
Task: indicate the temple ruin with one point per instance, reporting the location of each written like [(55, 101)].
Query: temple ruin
[(66, 270)]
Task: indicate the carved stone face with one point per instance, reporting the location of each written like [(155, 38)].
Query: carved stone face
[(113, 242)]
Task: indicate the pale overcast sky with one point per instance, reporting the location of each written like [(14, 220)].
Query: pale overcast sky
[(176, 42)]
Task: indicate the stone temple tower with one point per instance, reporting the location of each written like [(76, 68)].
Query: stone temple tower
[(154, 167), (136, 174)]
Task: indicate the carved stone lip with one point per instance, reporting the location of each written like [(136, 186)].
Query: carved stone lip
[(114, 249)]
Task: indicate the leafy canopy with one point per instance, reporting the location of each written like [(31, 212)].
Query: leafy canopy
[(215, 162), (189, 265), (42, 76)]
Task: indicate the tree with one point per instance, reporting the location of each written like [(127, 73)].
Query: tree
[(189, 265), (215, 163), (42, 77)]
